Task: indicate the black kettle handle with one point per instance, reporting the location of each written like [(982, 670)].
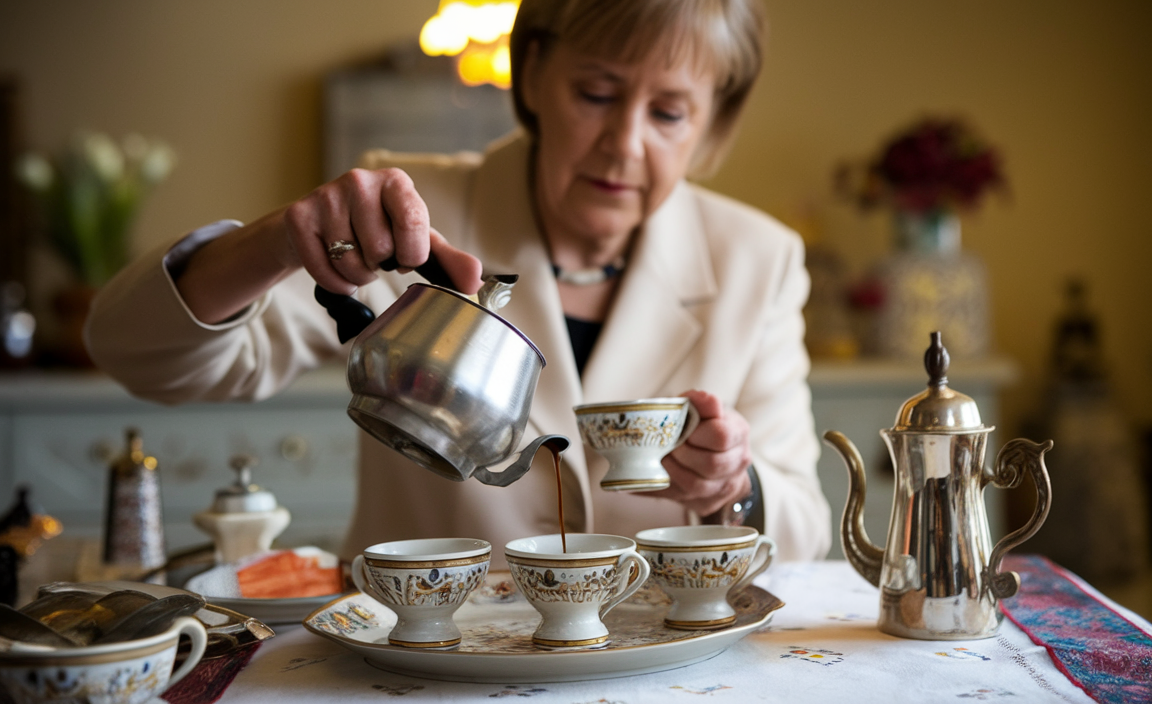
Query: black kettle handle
[(352, 316)]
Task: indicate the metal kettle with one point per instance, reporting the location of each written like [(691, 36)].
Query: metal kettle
[(443, 379), (939, 575)]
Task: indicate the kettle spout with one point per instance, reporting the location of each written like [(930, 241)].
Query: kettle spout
[(523, 462), (861, 552)]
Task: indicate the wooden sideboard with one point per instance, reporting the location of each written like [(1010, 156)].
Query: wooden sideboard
[(58, 429)]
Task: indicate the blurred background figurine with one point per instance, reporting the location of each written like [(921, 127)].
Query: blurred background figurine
[(1098, 523)]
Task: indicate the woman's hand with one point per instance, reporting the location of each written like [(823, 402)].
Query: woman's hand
[(710, 469), (381, 214)]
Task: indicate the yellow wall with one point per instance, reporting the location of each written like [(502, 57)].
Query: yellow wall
[(1062, 86)]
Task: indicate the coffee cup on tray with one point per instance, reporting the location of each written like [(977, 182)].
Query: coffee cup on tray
[(424, 582), (699, 566), (574, 587)]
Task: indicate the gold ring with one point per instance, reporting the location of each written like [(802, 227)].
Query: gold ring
[(338, 248)]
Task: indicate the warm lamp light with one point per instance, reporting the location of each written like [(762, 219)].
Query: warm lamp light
[(475, 31)]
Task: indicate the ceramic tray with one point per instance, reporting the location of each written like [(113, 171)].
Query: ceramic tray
[(497, 625)]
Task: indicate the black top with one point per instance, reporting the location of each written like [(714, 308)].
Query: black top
[(583, 334)]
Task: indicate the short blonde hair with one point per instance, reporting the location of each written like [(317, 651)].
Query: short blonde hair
[(726, 36)]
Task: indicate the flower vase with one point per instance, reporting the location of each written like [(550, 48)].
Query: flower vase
[(929, 284), (71, 306)]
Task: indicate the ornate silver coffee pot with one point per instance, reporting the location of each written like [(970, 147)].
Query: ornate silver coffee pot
[(939, 575)]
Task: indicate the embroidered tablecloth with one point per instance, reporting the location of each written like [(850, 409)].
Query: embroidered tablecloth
[(823, 646)]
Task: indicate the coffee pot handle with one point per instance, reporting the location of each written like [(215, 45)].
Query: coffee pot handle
[(1014, 459), (352, 316), (523, 462)]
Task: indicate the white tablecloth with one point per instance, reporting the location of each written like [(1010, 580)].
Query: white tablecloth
[(823, 646)]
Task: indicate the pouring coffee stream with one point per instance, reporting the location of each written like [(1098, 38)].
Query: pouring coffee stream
[(441, 378)]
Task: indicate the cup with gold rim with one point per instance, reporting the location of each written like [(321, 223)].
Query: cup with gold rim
[(424, 582), (574, 589), (699, 566), (127, 672), (634, 436)]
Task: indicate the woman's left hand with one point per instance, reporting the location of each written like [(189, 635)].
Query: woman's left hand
[(710, 469)]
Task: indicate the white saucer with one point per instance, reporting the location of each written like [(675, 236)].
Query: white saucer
[(274, 612), (497, 625), (219, 586)]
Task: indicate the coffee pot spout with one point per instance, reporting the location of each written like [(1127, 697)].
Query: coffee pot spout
[(523, 462), (862, 553)]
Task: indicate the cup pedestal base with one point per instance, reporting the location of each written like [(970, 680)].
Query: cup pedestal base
[(585, 644), (435, 645), (712, 625), (635, 484)]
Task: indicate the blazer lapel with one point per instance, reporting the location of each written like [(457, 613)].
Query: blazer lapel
[(506, 239), (649, 331)]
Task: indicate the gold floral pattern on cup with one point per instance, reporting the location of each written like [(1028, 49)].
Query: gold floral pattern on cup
[(573, 590), (634, 436), (423, 582), (698, 566)]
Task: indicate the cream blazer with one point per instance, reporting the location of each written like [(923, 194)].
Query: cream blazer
[(711, 299)]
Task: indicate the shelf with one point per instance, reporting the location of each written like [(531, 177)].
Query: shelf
[(874, 373)]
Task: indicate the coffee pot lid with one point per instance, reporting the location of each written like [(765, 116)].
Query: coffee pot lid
[(938, 408), (242, 496)]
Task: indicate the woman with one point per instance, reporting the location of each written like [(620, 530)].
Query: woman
[(672, 289)]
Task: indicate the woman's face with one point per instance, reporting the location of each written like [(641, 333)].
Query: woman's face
[(613, 139)]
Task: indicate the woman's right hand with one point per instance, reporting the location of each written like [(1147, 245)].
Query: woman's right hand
[(378, 211), (381, 214)]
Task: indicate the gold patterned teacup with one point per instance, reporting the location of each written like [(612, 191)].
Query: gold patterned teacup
[(126, 672), (634, 436), (573, 590), (423, 582), (698, 566)]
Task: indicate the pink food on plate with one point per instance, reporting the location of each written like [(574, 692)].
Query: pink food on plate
[(284, 575)]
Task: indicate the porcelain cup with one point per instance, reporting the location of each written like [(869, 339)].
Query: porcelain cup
[(573, 590), (423, 582), (634, 436), (699, 566), (129, 672)]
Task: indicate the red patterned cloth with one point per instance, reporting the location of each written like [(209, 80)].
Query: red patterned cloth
[(1098, 649), (207, 682)]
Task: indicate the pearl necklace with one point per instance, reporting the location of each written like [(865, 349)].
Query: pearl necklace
[(591, 276)]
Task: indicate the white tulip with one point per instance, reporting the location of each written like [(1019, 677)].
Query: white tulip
[(35, 172), (102, 155), (157, 163)]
